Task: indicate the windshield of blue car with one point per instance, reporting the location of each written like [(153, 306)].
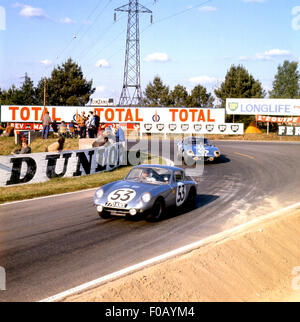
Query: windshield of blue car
[(150, 175), (196, 141)]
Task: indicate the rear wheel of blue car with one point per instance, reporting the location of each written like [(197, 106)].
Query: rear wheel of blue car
[(157, 211)]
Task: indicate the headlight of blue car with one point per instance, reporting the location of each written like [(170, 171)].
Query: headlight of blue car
[(190, 152), (146, 197), (217, 154), (99, 193)]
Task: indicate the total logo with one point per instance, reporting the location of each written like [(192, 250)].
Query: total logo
[(156, 117)]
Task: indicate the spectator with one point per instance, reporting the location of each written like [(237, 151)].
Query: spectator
[(46, 125), (120, 136), (56, 146), (82, 125), (72, 129), (63, 129), (9, 130), (102, 129), (91, 125), (99, 143), (2, 128), (55, 127), (25, 149), (97, 124)]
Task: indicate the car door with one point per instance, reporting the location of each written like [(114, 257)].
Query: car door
[(180, 187)]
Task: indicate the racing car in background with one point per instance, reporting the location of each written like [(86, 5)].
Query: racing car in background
[(193, 149), (147, 189)]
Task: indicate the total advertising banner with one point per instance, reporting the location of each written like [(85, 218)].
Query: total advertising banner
[(196, 128), (275, 119), (40, 167), (270, 107), (34, 114)]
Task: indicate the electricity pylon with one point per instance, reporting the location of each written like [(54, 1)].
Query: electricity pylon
[(131, 91)]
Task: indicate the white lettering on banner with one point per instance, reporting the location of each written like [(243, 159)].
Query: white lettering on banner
[(34, 114), (196, 128), (289, 130), (274, 119), (40, 167), (274, 107)]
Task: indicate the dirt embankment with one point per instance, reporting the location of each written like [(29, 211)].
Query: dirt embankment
[(255, 264)]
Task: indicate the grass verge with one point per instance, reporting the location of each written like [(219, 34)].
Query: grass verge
[(7, 145), (63, 185)]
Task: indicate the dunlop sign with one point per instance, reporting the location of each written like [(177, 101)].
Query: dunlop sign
[(190, 128), (40, 167)]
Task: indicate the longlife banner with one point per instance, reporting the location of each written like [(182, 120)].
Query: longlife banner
[(34, 114), (276, 119), (270, 107)]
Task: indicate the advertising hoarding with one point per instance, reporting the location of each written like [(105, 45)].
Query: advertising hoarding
[(34, 114), (276, 119), (193, 128), (270, 107)]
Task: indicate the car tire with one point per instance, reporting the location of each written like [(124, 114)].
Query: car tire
[(104, 214), (157, 212), (190, 202)]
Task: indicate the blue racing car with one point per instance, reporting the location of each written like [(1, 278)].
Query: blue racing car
[(194, 149)]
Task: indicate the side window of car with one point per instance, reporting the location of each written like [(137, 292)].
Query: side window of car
[(178, 176)]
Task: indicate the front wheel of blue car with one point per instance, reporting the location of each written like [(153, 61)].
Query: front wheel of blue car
[(157, 211), (104, 214), (190, 203)]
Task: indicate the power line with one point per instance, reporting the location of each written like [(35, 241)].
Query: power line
[(87, 50), (82, 26)]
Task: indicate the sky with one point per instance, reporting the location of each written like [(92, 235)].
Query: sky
[(190, 42)]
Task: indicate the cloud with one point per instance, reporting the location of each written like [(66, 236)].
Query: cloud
[(207, 9), (102, 63), (202, 80), (46, 62), (67, 21), (157, 57), (267, 55), (30, 12), (101, 89)]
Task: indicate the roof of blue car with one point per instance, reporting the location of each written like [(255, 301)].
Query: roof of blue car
[(168, 167)]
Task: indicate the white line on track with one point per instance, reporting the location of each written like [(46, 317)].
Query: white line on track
[(163, 257), (46, 197)]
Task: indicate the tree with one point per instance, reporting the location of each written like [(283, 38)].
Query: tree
[(157, 94), (239, 84), (66, 86), (200, 98), (179, 96), (10, 96), (286, 83), (26, 94)]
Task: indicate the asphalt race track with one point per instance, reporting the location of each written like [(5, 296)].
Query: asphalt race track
[(50, 245)]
